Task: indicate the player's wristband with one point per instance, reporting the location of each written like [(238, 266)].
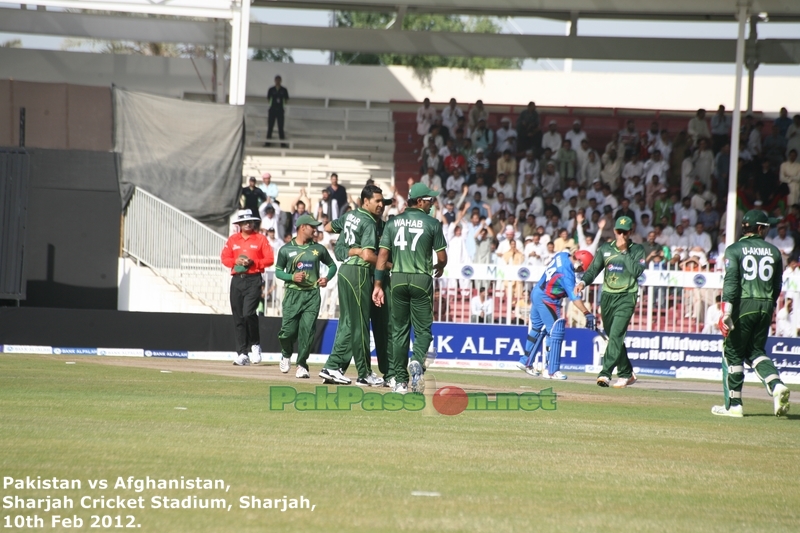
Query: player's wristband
[(379, 275)]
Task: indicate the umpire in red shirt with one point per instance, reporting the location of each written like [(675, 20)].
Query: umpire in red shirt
[(247, 254)]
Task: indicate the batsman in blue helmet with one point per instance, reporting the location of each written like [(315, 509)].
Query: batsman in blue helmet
[(557, 282)]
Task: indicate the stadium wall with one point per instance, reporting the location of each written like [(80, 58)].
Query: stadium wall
[(73, 230), (57, 115), (68, 330), (176, 77)]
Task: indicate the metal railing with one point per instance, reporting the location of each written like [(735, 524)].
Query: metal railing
[(177, 248)]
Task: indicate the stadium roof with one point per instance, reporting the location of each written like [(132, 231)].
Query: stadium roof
[(697, 10)]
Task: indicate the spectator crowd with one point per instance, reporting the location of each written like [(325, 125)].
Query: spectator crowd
[(527, 190)]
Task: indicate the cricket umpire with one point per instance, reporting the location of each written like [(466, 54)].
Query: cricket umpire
[(247, 254), (622, 262), (753, 281), (298, 265), (410, 240)]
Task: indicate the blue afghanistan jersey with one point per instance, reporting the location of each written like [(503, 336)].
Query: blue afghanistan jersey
[(558, 280)]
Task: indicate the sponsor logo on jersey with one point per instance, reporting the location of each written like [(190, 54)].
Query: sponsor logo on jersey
[(236, 246), (292, 254), (305, 266), (615, 268), (607, 254)]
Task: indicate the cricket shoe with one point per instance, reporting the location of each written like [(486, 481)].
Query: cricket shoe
[(362, 382), (533, 372), (255, 354), (286, 364), (624, 382), (400, 388), (521, 366), (374, 380), (603, 381), (555, 375), (334, 375), (241, 360), (734, 411), (301, 373), (391, 382), (780, 395), (417, 379)]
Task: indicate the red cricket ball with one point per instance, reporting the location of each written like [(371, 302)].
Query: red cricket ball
[(450, 400)]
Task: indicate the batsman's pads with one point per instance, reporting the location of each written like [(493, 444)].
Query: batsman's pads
[(556, 340), (591, 321), (535, 339)]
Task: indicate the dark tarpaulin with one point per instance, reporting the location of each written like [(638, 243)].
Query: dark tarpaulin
[(188, 154)]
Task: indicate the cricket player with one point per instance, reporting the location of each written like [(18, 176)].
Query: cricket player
[(557, 283), (622, 262), (357, 229), (410, 240), (753, 279), (298, 266), (379, 316)]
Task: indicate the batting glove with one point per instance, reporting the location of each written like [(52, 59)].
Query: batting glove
[(726, 322), (591, 321)]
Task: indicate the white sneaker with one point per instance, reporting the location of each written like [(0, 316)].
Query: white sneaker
[(417, 378), (533, 372), (521, 366), (780, 395), (400, 388), (286, 364), (735, 411), (624, 382), (391, 382), (374, 380), (255, 354), (557, 375), (334, 375), (241, 360), (301, 373)]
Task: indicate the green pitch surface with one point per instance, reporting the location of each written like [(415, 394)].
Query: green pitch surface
[(604, 460)]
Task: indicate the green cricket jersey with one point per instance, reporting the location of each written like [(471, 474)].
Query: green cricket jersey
[(356, 229), (621, 270), (412, 238), (753, 270), (293, 258)]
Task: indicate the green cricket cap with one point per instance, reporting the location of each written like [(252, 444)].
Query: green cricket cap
[(420, 190), (306, 219), (623, 224), (757, 217)]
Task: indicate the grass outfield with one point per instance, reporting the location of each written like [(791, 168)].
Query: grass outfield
[(605, 459)]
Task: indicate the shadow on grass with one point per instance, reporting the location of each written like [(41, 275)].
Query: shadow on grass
[(790, 417)]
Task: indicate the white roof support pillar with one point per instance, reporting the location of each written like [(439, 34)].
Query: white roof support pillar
[(730, 216), (239, 41)]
